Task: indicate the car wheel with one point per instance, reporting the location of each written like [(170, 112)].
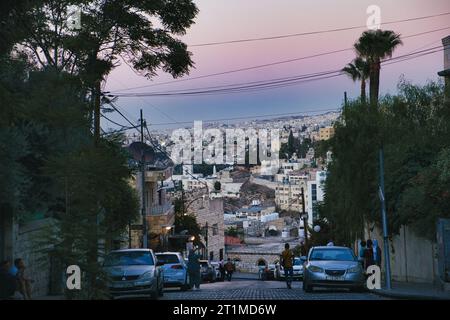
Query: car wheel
[(186, 285), (307, 287)]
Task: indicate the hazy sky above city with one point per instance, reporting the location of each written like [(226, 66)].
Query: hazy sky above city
[(223, 20)]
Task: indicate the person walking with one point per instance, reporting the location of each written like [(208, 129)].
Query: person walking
[(368, 254), (287, 261), (8, 282), (362, 248), (222, 270), (24, 282), (194, 269), (229, 268), (376, 253)]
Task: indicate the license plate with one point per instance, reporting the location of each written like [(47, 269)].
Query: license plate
[(122, 285), (335, 278)]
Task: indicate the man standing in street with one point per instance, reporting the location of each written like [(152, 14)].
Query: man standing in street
[(229, 268), (194, 269), (287, 261)]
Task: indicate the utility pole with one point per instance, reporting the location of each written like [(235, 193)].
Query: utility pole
[(387, 262), (206, 240), (305, 220), (144, 215)]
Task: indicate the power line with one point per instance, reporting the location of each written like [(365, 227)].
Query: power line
[(270, 84), (113, 122), (311, 32), (265, 65)]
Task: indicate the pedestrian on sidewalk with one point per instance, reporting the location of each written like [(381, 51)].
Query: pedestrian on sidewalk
[(23, 280), (376, 253), (229, 268), (194, 269), (287, 261), (368, 254), (8, 282), (362, 249)]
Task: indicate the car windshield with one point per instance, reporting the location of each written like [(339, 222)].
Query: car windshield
[(204, 264), (128, 258), (167, 258), (298, 262), (332, 254)]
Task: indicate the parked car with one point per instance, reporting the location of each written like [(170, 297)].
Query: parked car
[(267, 272), (207, 271), (333, 266), (174, 269), (133, 273), (216, 266), (297, 269)]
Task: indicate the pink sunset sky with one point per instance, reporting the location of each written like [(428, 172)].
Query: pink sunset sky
[(223, 20)]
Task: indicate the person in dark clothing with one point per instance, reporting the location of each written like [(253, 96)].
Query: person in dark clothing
[(222, 270), (229, 268), (194, 269), (368, 254), (376, 253), (8, 283)]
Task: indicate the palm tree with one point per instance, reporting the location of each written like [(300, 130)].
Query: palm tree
[(375, 45), (358, 70)]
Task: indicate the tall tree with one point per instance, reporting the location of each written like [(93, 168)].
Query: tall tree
[(375, 45), (140, 33), (358, 70)]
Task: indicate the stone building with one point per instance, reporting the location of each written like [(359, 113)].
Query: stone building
[(210, 217), (159, 211)]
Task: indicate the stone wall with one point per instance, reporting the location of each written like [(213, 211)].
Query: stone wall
[(412, 258), (248, 261), (210, 212), (38, 265)]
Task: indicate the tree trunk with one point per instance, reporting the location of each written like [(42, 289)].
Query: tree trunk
[(374, 83), (363, 90)]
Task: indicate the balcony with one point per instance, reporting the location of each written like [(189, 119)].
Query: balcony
[(158, 210)]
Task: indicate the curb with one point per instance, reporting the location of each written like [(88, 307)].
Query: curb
[(407, 296)]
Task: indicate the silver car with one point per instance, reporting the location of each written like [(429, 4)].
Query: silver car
[(133, 273), (333, 267)]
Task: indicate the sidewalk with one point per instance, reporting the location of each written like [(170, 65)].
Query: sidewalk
[(413, 291)]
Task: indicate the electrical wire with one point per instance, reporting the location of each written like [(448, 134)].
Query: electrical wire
[(265, 65), (311, 32)]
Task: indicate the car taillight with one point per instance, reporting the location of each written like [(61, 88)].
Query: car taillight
[(177, 266)]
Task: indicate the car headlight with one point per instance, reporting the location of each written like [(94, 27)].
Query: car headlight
[(315, 269), (146, 278), (354, 269)]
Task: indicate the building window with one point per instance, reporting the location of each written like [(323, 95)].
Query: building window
[(215, 229), (211, 256), (314, 192), (221, 254)]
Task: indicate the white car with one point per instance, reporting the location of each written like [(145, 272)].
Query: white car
[(297, 269)]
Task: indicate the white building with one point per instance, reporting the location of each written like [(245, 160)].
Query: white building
[(316, 194)]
